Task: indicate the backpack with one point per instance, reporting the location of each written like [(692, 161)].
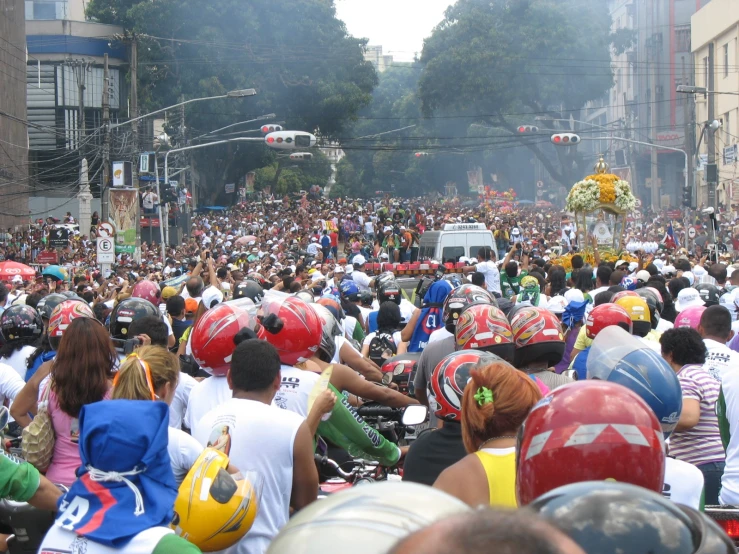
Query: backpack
[(382, 347)]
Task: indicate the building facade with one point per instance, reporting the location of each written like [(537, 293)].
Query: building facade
[(64, 80), (717, 24), (374, 55), (13, 127)]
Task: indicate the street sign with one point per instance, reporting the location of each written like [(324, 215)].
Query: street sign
[(59, 238), (691, 232), (47, 257), (638, 202), (106, 251), (540, 184), (105, 230)]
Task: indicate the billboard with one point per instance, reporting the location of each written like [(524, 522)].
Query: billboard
[(124, 207)]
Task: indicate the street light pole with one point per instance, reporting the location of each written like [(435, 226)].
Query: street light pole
[(260, 118)]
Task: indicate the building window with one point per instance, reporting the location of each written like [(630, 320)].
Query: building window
[(682, 38), (726, 59)]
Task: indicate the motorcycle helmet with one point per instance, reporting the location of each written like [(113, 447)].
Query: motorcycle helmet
[(484, 327), (62, 316), (365, 297), (459, 299), (455, 279), (384, 277), (537, 336), (126, 311), (658, 295), (450, 378), (47, 304), (249, 289), (690, 317), (613, 518), (576, 430), (148, 290), (333, 305), (212, 337), (388, 291), (21, 322), (604, 316), (710, 294), (349, 290), (399, 370), (638, 311), (258, 279), (618, 357), (331, 330), (292, 327), (222, 511), (622, 294), (651, 301), (70, 295), (629, 283)]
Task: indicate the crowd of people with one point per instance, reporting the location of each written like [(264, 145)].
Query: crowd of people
[(221, 369)]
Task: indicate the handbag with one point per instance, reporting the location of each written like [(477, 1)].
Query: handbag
[(38, 438)]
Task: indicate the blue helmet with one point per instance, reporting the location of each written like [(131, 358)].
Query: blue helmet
[(628, 283), (621, 358), (349, 290)]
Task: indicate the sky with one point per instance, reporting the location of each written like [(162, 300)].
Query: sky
[(398, 25)]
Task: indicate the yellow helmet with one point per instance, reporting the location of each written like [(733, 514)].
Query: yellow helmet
[(638, 311), (213, 510)]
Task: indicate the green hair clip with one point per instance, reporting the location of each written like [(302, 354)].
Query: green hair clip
[(483, 396)]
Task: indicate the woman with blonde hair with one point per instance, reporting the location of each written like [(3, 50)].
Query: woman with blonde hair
[(495, 404), (151, 373)]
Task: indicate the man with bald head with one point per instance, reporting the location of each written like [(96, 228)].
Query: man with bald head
[(499, 531)]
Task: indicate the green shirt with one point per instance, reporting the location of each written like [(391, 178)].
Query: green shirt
[(172, 544), (511, 286), (19, 480)]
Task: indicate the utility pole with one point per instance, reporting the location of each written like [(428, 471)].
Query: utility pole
[(135, 137), (689, 148), (104, 190), (711, 169), (654, 189)]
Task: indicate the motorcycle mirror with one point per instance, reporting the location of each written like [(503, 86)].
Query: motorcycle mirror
[(415, 415), (571, 373), (4, 416), (387, 378)]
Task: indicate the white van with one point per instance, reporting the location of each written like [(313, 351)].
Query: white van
[(456, 240)]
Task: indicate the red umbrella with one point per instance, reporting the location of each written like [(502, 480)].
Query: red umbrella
[(9, 269), (243, 241)]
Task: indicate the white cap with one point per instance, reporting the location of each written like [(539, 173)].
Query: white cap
[(211, 297), (359, 260), (668, 270), (574, 295), (633, 266), (699, 271), (688, 298), (642, 275), (17, 279), (557, 304)]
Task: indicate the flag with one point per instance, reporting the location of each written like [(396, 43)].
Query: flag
[(670, 241)]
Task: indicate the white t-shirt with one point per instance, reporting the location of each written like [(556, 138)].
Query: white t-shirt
[(720, 359), (183, 453), (149, 199), (730, 478), (204, 397), (439, 334), (295, 388), (664, 325), (492, 275), (406, 310), (396, 338), (61, 540), (362, 280), (19, 359), (683, 483), (256, 437), (10, 385), (178, 407)]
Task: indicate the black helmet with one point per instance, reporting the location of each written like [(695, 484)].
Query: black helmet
[(651, 299), (126, 311), (610, 517), (384, 277), (710, 294), (70, 295), (461, 297), (365, 297), (21, 322), (249, 289), (47, 304), (389, 290)]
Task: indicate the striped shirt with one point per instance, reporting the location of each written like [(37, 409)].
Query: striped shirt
[(701, 444)]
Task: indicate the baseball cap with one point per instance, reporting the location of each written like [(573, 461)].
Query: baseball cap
[(168, 292), (642, 275), (191, 305), (574, 295), (359, 260), (687, 298)]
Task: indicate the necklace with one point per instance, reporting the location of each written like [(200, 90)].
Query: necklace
[(496, 438)]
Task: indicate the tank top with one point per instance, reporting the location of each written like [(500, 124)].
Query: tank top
[(500, 469), (295, 389), (61, 540)]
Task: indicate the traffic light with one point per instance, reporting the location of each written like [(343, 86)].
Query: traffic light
[(687, 197), (301, 156), (528, 129), (421, 154), (565, 139), (290, 140), (169, 194), (266, 129)]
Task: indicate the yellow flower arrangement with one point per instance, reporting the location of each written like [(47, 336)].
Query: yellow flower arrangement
[(603, 188), (589, 258)]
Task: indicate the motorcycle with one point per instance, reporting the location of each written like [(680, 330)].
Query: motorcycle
[(398, 370), (727, 517)]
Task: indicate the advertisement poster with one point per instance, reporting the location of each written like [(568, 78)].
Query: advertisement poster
[(124, 207)]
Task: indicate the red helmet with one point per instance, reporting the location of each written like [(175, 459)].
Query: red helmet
[(622, 294), (63, 315), (690, 317), (574, 434), (292, 327), (148, 290), (459, 299), (212, 338), (605, 315), (484, 327), (537, 335), (450, 378)]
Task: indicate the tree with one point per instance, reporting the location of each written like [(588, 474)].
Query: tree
[(503, 63), (297, 55)]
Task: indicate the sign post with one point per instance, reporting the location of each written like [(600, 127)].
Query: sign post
[(105, 247)]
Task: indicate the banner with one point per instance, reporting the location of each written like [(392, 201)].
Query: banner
[(124, 207), (230, 188), (250, 177), (474, 180)]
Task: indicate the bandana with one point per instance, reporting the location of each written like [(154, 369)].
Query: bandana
[(125, 483), (574, 313), (530, 291), (431, 315)]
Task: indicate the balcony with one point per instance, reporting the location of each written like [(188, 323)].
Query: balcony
[(45, 10)]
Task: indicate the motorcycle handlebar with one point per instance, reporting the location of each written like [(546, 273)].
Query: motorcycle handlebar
[(379, 411)]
